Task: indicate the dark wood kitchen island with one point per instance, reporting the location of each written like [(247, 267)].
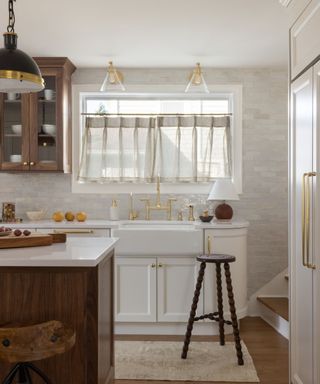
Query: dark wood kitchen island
[(72, 283)]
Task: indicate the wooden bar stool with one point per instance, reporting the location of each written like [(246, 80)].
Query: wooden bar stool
[(22, 345), (218, 259)]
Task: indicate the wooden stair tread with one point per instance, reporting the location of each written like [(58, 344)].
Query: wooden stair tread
[(279, 305)]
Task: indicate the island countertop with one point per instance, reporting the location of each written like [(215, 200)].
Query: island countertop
[(76, 252)]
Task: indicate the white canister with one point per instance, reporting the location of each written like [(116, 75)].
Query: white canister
[(114, 210)]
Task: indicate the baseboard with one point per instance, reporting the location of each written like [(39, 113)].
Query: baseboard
[(277, 322)]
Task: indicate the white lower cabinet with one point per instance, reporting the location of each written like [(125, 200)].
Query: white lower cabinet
[(135, 289), (232, 242), (177, 278), (155, 289)]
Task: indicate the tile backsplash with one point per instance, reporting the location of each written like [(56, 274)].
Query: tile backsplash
[(264, 199)]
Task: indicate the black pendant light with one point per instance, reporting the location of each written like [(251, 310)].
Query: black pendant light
[(18, 72)]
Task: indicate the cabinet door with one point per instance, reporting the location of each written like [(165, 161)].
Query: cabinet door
[(316, 272), (14, 128), (135, 289), (305, 39), (177, 278), (301, 277), (232, 242), (46, 123)]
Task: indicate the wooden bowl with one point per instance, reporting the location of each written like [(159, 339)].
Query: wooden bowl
[(206, 219)]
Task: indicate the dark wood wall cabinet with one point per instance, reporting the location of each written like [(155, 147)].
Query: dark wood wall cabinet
[(36, 128)]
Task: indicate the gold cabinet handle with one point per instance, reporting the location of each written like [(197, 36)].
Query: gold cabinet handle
[(160, 265), (25, 163), (32, 163), (306, 220), (153, 265), (303, 214), (209, 245), (74, 231)]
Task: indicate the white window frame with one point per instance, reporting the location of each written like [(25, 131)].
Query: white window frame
[(162, 91)]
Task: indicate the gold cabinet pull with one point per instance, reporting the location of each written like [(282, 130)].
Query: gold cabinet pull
[(303, 214), (306, 220), (32, 163), (209, 245), (74, 231), (25, 163), (153, 265), (160, 265)]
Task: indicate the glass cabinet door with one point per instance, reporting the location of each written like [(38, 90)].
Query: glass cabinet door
[(14, 131), (44, 130)]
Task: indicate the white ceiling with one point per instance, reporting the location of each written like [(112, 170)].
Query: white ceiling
[(153, 33)]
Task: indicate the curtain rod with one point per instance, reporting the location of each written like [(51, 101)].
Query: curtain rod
[(156, 114)]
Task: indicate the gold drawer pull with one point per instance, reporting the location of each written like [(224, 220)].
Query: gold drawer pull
[(160, 265), (74, 231), (153, 265), (32, 163), (25, 163)]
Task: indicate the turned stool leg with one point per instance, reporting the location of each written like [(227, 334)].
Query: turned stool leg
[(220, 303), (193, 311), (233, 314), (10, 377)]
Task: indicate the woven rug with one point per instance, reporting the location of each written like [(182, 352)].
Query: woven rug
[(160, 360)]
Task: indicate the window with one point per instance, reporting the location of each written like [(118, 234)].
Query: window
[(185, 139)]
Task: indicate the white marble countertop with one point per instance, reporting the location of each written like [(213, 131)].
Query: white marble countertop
[(108, 224), (76, 252)]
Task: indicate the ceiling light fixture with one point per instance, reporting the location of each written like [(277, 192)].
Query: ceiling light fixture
[(196, 81), (18, 72), (113, 80)]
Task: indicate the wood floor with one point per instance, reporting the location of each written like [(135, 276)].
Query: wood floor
[(268, 349)]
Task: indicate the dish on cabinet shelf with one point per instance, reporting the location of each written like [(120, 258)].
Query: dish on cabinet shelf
[(49, 129), (15, 158), (16, 129)]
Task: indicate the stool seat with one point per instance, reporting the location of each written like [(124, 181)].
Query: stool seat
[(35, 342), (216, 258)]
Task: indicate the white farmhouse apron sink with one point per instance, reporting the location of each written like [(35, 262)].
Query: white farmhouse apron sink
[(158, 238)]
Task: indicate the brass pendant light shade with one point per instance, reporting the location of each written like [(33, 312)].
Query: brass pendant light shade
[(19, 73)]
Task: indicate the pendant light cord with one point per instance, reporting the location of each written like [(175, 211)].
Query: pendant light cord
[(12, 18)]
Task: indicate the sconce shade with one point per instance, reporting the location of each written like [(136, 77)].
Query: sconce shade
[(19, 73), (113, 80), (223, 189), (197, 83)]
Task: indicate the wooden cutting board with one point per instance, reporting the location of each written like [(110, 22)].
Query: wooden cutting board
[(33, 240)]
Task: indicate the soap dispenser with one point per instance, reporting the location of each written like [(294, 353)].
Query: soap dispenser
[(114, 210)]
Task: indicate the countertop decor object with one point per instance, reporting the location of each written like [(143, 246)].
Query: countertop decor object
[(36, 215), (197, 82), (223, 189), (33, 240), (113, 80), (206, 219), (18, 71)]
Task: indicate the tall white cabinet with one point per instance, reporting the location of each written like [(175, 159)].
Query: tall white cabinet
[(304, 220)]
